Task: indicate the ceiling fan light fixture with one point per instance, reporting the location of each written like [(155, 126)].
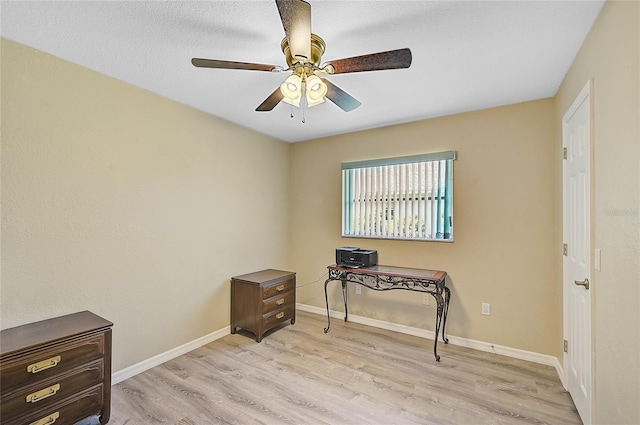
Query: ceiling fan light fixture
[(292, 90), (303, 52), (316, 90)]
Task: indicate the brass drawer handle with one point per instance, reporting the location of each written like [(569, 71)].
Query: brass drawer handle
[(280, 301), (43, 365), (280, 288), (42, 394), (48, 420), (280, 315)]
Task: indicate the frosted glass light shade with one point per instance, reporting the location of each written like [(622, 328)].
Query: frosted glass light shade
[(291, 89), (316, 90)]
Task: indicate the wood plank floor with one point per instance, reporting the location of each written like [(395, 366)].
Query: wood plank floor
[(355, 374)]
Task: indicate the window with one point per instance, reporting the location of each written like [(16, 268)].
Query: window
[(399, 198)]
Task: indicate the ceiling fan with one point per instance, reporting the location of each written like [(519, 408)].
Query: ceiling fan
[(303, 52)]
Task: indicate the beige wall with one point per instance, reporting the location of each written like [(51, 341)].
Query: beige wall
[(127, 204), (504, 220), (610, 56), (124, 203)]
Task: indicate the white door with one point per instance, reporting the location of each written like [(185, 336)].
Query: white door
[(577, 289)]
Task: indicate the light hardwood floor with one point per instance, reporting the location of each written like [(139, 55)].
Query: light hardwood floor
[(355, 374)]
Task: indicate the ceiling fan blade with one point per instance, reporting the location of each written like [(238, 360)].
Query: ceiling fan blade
[(213, 63), (393, 59), (271, 101), (296, 20), (341, 98)]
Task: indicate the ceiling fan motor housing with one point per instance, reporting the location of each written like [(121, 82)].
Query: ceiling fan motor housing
[(317, 50)]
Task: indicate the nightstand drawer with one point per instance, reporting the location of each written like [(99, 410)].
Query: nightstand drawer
[(45, 364), (261, 300), (278, 316), (278, 288), (45, 393), (68, 411), (278, 302)]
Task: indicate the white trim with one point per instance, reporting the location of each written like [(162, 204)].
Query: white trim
[(154, 361), (454, 340), (584, 93)]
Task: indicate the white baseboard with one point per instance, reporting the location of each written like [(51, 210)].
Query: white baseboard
[(454, 340), (154, 361), (544, 359)]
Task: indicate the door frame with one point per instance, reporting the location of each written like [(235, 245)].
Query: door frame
[(586, 91)]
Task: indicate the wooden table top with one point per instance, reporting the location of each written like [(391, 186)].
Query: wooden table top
[(405, 272)]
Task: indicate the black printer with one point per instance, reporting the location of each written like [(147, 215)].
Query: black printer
[(348, 256)]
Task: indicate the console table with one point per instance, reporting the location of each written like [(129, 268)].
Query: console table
[(386, 278)]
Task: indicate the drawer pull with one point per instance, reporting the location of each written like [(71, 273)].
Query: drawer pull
[(48, 420), (280, 301), (42, 394), (280, 288), (280, 315), (43, 365)]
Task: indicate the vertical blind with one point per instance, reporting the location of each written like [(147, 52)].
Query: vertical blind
[(399, 198)]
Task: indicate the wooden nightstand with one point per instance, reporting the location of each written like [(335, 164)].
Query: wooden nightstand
[(262, 300), (56, 370)]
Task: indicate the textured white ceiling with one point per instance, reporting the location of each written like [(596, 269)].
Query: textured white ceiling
[(467, 55)]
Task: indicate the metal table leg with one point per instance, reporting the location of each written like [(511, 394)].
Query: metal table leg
[(439, 314), (447, 298), (344, 298), (326, 300)]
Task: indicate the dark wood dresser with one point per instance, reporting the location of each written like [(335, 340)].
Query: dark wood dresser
[(56, 371), (262, 300)]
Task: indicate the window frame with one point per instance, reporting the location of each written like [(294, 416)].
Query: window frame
[(351, 230)]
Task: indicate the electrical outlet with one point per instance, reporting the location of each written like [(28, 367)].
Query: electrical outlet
[(358, 289), (425, 299), (486, 309)]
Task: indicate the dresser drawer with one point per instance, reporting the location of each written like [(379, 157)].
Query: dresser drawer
[(278, 288), (281, 315), (280, 301), (66, 412), (46, 393), (261, 300), (47, 363), (56, 371)]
